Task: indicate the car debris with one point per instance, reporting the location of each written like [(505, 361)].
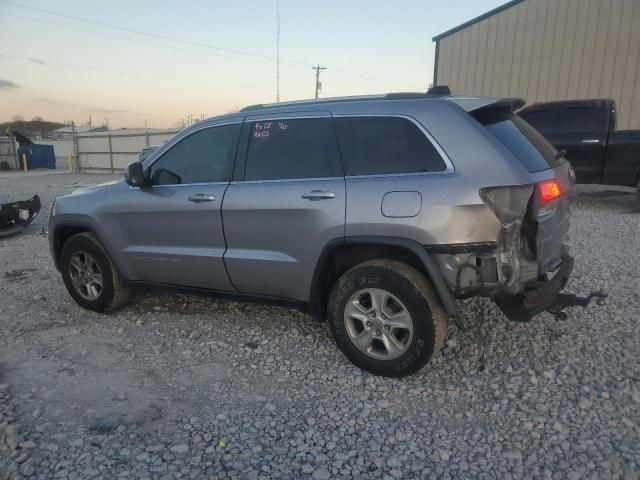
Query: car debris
[(16, 216)]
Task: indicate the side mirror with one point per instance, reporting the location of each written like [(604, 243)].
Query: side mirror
[(134, 174)]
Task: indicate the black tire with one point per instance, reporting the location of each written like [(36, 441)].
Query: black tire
[(418, 297), (114, 292)]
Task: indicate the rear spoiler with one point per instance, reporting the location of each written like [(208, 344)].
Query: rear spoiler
[(489, 110), (475, 104)]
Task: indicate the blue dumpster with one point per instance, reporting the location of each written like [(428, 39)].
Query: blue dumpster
[(38, 156)]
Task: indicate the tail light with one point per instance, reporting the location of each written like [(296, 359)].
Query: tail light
[(548, 190), (507, 203)]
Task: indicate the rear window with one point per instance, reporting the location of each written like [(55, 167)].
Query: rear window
[(533, 151)]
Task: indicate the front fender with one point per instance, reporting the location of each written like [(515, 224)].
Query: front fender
[(60, 225)]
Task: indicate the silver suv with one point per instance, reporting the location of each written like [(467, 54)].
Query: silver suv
[(376, 213)]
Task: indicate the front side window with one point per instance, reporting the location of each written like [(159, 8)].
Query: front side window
[(292, 148), (384, 145), (205, 156)]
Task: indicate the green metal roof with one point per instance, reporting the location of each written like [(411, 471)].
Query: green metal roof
[(477, 19)]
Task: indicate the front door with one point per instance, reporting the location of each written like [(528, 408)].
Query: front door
[(287, 205), (172, 229)]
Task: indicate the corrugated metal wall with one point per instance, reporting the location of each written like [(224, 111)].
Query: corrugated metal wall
[(544, 50)]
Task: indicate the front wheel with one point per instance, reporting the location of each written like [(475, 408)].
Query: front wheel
[(89, 274), (386, 318)]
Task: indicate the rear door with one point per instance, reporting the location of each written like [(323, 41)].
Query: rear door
[(581, 130), (172, 229), (286, 203)]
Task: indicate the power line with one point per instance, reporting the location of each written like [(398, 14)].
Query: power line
[(139, 74), (243, 54), (134, 40), (149, 34), (318, 69)]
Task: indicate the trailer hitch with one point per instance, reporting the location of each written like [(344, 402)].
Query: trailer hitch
[(566, 300)]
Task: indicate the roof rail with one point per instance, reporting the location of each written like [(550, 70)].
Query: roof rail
[(436, 91)]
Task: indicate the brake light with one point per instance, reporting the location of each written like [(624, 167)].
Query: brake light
[(549, 190)]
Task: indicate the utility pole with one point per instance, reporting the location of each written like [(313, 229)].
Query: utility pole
[(277, 50), (318, 69)]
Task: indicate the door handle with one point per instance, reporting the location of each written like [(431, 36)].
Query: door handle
[(590, 140), (318, 195), (201, 197)]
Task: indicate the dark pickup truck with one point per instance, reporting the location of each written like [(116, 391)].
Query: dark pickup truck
[(585, 129)]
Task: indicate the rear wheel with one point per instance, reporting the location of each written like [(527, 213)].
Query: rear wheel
[(386, 318), (90, 276)]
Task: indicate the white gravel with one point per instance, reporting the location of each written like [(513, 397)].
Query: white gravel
[(174, 386)]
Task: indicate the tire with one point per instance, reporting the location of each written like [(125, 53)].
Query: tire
[(90, 260), (407, 290)]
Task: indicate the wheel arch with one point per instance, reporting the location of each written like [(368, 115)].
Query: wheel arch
[(340, 255), (63, 231)]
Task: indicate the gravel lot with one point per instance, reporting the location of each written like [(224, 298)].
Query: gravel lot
[(175, 386)]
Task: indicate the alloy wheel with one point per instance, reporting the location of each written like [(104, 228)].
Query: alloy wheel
[(86, 276), (378, 323)]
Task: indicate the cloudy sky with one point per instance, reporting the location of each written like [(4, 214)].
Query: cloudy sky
[(130, 61)]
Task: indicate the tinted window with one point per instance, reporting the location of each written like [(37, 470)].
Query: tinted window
[(541, 120), (529, 147), (286, 149), (578, 120), (381, 145), (202, 157)]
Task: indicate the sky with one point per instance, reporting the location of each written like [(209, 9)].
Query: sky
[(127, 62)]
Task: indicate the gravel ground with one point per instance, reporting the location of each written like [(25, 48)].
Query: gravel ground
[(175, 386)]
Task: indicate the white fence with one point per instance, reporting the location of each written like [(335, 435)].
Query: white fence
[(113, 151), (8, 152)]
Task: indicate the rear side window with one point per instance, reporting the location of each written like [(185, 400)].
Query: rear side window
[(528, 145), (585, 119), (384, 145), (288, 149)]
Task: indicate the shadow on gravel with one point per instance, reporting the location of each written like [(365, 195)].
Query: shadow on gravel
[(624, 202), (605, 194)]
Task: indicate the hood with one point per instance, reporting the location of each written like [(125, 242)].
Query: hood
[(95, 188)]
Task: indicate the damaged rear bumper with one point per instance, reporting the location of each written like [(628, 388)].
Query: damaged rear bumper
[(545, 295), (16, 216)]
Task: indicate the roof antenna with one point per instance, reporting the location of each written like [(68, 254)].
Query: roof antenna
[(277, 50)]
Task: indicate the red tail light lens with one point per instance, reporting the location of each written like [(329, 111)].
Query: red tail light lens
[(549, 190)]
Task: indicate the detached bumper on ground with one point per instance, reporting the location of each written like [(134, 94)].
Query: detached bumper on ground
[(16, 216)]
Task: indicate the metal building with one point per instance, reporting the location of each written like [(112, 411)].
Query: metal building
[(544, 50)]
